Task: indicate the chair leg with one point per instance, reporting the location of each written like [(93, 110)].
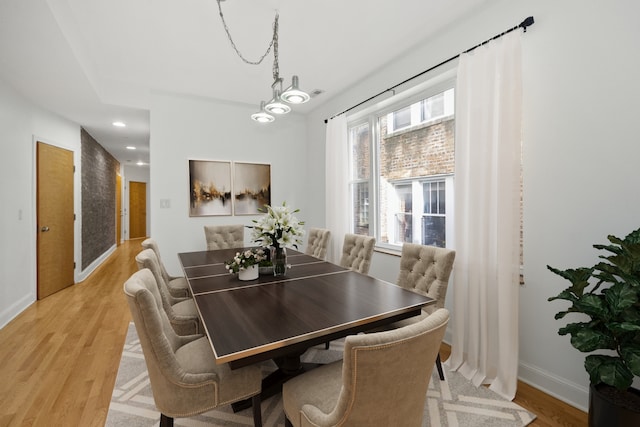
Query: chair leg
[(326, 345), (165, 421), (439, 366), (256, 403)]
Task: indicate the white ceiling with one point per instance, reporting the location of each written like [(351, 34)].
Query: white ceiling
[(97, 61)]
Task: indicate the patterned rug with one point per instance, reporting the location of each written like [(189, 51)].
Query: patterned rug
[(451, 403)]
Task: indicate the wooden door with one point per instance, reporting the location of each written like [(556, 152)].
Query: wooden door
[(55, 219), (137, 209), (118, 209)]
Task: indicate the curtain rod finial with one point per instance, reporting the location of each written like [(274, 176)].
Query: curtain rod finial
[(527, 23)]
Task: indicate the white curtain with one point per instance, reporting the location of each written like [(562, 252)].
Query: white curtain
[(336, 185), (487, 218)]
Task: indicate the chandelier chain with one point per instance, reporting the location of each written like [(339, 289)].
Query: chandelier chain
[(273, 44)]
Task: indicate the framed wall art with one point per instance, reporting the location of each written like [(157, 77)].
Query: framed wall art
[(251, 187), (210, 188)]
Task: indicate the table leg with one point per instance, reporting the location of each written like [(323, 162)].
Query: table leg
[(289, 366)]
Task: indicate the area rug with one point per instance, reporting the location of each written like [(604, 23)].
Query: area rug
[(454, 402)]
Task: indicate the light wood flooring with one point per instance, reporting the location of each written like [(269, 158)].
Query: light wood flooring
[(59, 358)]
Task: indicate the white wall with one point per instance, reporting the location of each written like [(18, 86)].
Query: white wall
[(581, 101), (136, 174), (184, 128), (21, 124)]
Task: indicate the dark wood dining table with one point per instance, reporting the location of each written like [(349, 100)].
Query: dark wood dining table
[(280, 317)]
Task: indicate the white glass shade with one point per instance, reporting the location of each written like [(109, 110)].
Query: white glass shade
[(293, 94), (262, 116), (276, 106)]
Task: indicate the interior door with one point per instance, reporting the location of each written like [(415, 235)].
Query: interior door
[(137, 210), (55, 219)]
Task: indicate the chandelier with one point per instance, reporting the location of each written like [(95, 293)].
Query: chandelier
[(282, 99)]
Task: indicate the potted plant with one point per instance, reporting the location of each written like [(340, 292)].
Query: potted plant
[(246, 263), (608, 295)]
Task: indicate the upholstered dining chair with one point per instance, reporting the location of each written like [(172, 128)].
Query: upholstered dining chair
[(317, 241), (426, 270), (356, 252), (224, 236), (177, 285), (382, 380), (181, 312), (185, 380)]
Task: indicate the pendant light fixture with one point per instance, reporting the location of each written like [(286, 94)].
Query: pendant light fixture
[(278, 105), (262, 116)]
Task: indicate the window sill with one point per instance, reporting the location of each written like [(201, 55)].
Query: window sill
[(388, 250)]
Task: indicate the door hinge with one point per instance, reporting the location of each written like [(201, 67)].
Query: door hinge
[(74, 217), (74, 265), (74, 168)]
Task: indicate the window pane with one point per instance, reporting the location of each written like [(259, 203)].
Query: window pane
[(433, 231), (361, 208), (441, 198), (402, 118), (403, 216), (359, 141)]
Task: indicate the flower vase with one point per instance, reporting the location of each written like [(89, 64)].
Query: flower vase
[(279, 260), (249, 273)]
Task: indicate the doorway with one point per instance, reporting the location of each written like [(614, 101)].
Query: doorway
[(55, 218), (137, 210)]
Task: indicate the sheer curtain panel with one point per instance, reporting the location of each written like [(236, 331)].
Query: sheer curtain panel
[(487, 220), (337, 176)]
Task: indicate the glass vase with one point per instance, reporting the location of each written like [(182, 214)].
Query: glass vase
[(279, 260)]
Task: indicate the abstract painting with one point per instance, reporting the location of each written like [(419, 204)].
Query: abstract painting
[(209, 188), (252, 187)]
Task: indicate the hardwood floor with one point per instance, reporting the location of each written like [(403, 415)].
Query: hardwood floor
[(59, 358)]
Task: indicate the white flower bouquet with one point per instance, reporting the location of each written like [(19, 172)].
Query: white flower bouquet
[(279, 227), (243, 260)]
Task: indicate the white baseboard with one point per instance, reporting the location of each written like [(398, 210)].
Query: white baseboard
[(571, 393), (16, 308), (82, 275)]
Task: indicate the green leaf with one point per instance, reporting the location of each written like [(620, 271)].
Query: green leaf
[(587, 340), (579, 278), (592, 305), (619, 297), (631, 355), (609, 370)]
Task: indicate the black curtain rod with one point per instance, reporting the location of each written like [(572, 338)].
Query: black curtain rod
[(524, 24)]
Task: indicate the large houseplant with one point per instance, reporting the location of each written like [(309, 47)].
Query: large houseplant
[(608, 294)]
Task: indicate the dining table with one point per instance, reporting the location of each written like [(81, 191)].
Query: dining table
[(280, 317)]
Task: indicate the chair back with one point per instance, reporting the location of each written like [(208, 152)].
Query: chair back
[(183, 323), (224, 236), (426, 270), (153, 245), (385, 375), (317, 242), (356, 252), (159, 344)]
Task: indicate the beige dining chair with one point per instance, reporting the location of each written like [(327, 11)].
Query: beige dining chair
[(317, 242), (185, 379), (224, 236), (425, 270), (181, 312), (177, 285), (382, 380), (356, 252)]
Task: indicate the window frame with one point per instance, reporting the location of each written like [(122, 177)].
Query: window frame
[(371, 116)]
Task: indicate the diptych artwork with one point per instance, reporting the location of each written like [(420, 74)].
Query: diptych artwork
[(223, 188)]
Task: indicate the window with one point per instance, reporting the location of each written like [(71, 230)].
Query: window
[(402, 164)]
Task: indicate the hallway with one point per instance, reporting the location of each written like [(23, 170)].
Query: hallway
[(59, 358)]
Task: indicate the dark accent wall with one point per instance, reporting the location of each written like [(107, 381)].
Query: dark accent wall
[(99, 169)]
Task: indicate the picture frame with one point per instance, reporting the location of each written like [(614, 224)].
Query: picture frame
[(251, 187), (210, 188)]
